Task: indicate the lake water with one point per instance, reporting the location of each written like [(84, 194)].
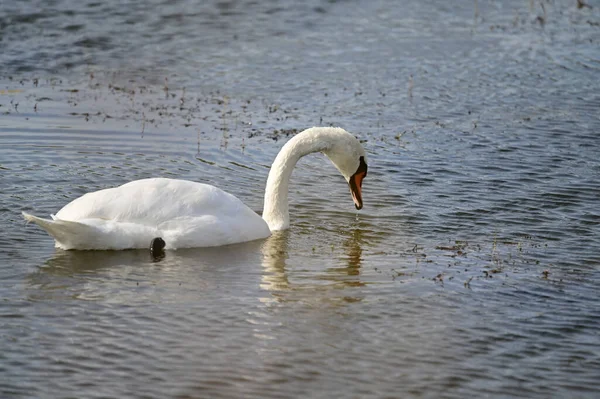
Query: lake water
[(473, 269)]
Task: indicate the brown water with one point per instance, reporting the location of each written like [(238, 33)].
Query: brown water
[(473, 269)]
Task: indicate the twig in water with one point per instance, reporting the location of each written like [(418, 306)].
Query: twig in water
[(143, 123), (468, 283)]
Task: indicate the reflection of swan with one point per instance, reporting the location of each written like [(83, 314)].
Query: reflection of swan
[(277, 277), (91, 262), (130, 275), (353, 249), (274, 252), (189, 214)]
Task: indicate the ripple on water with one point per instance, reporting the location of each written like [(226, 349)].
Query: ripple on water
[(471, 271)]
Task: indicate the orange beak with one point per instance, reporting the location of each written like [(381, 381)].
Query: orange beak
[(356, 183)]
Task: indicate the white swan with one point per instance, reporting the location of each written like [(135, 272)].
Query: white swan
[(188, 214)]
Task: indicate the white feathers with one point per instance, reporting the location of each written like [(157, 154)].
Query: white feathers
[(343, 149), (184, 213)]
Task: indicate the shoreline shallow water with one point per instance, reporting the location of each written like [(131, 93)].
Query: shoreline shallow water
[(472, 270)]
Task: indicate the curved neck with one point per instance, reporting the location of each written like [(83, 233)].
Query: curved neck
[(276, 211)]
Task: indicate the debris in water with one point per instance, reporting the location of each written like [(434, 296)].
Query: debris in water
[(467, 283), (545, 273)]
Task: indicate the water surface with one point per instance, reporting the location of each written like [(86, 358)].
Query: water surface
[(472, 270)]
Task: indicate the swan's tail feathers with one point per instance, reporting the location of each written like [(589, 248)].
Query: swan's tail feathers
[(68, 235)]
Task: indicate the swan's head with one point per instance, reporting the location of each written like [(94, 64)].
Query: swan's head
[(348, 156)]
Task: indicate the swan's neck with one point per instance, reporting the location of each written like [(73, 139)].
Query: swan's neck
[(276, 211)]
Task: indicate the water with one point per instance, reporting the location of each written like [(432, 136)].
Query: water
[(472, 270)]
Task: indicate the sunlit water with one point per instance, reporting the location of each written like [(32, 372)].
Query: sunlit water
[(472, 270)]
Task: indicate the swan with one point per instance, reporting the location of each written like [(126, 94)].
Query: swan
[(171, 213)]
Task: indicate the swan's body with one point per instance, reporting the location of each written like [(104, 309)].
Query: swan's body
[(184, 213), (189, 214)]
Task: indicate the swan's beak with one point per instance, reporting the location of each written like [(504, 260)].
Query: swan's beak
[(356, 183)]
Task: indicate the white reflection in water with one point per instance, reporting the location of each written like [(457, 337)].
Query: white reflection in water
[(259, 266), (330, 278), (133, 276)]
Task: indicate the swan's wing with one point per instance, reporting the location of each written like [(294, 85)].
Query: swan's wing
[(152, 202)]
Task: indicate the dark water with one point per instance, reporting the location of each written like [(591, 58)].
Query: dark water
[(472, 271)]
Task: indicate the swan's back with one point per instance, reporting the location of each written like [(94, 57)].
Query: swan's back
[(152, 201)]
